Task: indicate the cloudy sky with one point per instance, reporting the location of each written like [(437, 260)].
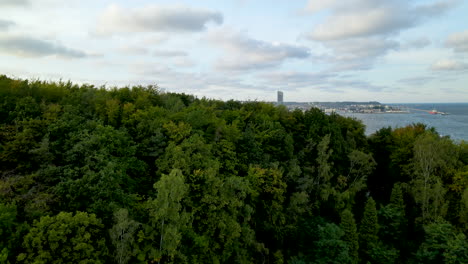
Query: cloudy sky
[(327, 50)]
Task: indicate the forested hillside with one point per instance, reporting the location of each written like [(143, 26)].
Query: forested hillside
[(136, 175)]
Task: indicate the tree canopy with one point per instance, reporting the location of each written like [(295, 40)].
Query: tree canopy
[(137, 175)]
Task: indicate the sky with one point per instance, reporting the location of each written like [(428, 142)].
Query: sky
[(391, 51)]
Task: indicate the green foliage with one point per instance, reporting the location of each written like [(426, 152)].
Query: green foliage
[(393, 220), (383, 254), (464, 210), (430, 155), (330, 248), (4, 256), (396, 199), (177, 132), (236, 182), (16, 150), (8, 214), (65, 238), (324, 174), (268, 194), (103, 160), (442, 244), (348, 225), (361, 166), (166, 217), (368, 230), (10, 231), (122, 235), (382, 144), (318, 180)]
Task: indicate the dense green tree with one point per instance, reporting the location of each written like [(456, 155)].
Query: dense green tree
[(457, 196), (65, 238), (26, 108), (348, 225), (383, 254), (236, 182), (382, 144), (329, 248), (361, 166), (268, 194), (430, 154), (392, 219), (324, 173), (177, 132), (222, 223), (317, 181), (368, 230), (8, 236), (442, 244), (166, 218), (464, 210), (16, 151), (98, 177), (122, 235)]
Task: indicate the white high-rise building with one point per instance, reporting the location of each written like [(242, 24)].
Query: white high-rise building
[(280, 97)]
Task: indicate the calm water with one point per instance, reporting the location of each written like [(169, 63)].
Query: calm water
[(454, 125)]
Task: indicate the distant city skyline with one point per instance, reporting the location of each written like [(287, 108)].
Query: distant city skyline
[(395, 51)]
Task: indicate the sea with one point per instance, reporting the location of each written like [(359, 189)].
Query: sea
[(454, 124)]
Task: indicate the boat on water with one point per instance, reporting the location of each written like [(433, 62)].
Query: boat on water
[(435, 112)]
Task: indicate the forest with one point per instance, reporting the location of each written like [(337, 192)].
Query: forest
[(139, 175)]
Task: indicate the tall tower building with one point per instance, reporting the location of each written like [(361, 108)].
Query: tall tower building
[(280, 97)]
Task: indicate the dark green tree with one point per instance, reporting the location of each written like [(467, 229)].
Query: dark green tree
[(329, 248), (65, 238), (431, 154), (348, 225), (8, 236), (442, 244), (268, 197), (123, 234), (368, 230), (392, 220), (167, 218)]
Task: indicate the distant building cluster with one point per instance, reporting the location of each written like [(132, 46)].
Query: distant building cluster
[(341, 107)]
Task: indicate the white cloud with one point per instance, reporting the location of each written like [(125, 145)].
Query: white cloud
[(314, 6), (22, 46), (370, 22), (154, 39), (6, 24), (200, 84), (358, 53), (358, 32), (325, 81), (293, 79), (141, 45), (245, 53), (155, 18), (183, 62), (176, 58), (169, 53), (356, 85), (419, 81), (416, 43), (14, 2), (435, 8), (362, 48), (458, 41), (133, 50), (361, 18), (449, 65)]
